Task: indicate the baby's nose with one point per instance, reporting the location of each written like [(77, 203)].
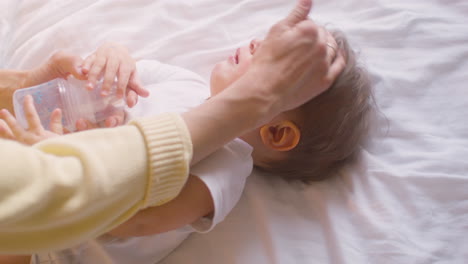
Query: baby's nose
[(254, 44)]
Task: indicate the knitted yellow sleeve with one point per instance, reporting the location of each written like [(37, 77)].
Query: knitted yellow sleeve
[(66, 190)]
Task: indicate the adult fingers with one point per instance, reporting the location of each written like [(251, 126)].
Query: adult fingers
[(332, 48), (112, 67), (299, 13), (56, 125), (336, 67), (65, 64), (34, 122), (75, 67), (5, 131)]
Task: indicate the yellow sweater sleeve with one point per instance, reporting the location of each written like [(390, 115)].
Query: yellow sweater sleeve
[(66, 190)]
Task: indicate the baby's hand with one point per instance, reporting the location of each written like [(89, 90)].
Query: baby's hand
[(112, 60), (10, 129)]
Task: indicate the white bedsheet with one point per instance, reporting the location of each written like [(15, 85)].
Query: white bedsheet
[(405, 201)]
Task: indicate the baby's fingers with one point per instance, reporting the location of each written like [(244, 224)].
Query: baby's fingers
[(89, 61), (136, 85), (116, 119), (34, 122), (132, 98), (10, 120), (112, 67), (5, 131), (95, 71), (83, 124), (56, 125), (125, 71)]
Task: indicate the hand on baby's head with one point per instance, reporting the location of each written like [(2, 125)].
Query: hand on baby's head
[(333, 126)]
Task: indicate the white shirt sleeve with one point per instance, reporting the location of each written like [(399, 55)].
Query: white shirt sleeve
[(224, 173), (172, 89)]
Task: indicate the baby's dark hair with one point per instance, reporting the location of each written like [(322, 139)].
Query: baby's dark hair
[(334, 125)]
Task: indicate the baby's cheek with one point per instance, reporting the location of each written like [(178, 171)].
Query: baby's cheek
[(220, 79), (243, 68)]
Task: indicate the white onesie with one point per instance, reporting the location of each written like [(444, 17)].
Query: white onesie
[(172, 89)]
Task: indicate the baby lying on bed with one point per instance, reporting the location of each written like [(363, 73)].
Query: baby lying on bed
[(307, 144)]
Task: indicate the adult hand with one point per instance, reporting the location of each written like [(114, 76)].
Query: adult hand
[(112, 61), (295, 61), (59, 65)]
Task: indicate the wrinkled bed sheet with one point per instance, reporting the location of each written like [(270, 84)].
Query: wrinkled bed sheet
[(404, 201)]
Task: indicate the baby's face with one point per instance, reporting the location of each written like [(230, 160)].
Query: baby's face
[(228, 71)]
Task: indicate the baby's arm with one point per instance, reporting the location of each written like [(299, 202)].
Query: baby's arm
[(193, 203)]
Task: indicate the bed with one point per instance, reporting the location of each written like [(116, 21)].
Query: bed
[(404, 201)]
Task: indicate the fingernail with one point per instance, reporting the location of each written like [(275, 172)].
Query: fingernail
[(104, 93), (89, 86)]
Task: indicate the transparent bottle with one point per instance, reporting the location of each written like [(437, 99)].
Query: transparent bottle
[(72, 98)]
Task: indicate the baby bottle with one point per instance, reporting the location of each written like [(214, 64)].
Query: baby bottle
[(72, 98)]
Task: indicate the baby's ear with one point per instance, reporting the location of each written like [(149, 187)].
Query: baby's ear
[(282, 135)]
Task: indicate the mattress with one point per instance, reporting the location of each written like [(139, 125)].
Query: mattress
[(405, 200)]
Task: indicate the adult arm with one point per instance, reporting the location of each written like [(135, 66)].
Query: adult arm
[(72, 188), (10, 81)]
